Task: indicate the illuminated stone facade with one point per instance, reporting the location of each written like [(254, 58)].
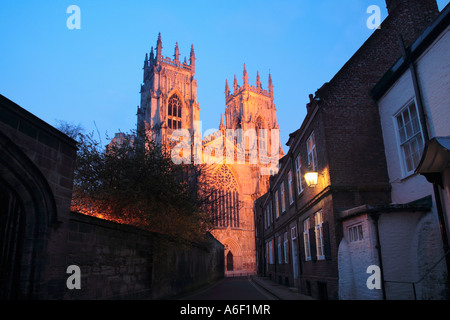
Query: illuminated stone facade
[(237, 156)]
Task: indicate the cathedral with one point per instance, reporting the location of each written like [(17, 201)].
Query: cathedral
[(240, 156)]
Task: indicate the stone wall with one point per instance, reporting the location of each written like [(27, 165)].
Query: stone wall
[(116, 261), (124, 262)]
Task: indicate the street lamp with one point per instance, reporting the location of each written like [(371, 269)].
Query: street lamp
[(311, 178)]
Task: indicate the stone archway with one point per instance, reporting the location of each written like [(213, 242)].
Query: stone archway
[(27, 209), (229, 261), (233, 256), (11, 240)]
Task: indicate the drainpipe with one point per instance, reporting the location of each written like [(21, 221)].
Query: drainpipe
[(424, 123), (375, 218)]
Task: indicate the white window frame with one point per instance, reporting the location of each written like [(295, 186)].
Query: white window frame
[(294, 233), (318, 229), (307, 245), (408, 141), (355, 232), (291, 191), (298, 174), (286, 247), (312, 153), (283, 198), (280, 260)]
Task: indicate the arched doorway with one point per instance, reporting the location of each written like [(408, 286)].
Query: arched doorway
[(229, 261), (11, 240), (27, 209)]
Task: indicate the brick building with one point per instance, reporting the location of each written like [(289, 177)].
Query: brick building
[(341, 140)]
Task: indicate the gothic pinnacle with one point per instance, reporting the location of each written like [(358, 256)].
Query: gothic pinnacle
[(151, 54), (245, 77), (158, 46), (258, 81), (270, 84), (221, 126), (192, 56), (177, 53), (227, 88)]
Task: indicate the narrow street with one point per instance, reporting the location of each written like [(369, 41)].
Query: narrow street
[(238, 288)]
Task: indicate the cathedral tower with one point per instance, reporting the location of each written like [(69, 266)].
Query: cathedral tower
[(169, 102), (251, 107), (168, 94), (248, 109)]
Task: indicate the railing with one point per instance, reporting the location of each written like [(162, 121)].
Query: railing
[(178, 64), (414, 283)]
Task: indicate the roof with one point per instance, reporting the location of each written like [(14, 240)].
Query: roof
[(421, 205), (414, 51)]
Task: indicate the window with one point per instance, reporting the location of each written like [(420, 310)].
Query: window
[(269, 246), (261, 135), (294, 233), (270, 212), (277, 210), (410, 137), (174, 112), (262, 138), (283, 198), (266, 215), (280, 259), (312, 154), (291, 198), (286, 248), (355, 233), (319, 235), (298, 174), (306, 239)]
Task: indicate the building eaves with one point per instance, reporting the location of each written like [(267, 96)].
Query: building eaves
[(414, 52), (421, 205)]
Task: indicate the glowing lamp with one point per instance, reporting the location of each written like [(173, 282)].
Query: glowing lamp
[(311, 179)]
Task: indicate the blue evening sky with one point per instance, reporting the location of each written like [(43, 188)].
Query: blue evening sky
[(94, 74)]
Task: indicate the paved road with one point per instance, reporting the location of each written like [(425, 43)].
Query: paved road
[(239, 288)]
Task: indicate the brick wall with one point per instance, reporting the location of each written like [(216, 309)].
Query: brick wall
[(353, 132)]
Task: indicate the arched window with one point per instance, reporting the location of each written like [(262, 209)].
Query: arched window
[(261, 133), (174, 112), (225, 198)]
